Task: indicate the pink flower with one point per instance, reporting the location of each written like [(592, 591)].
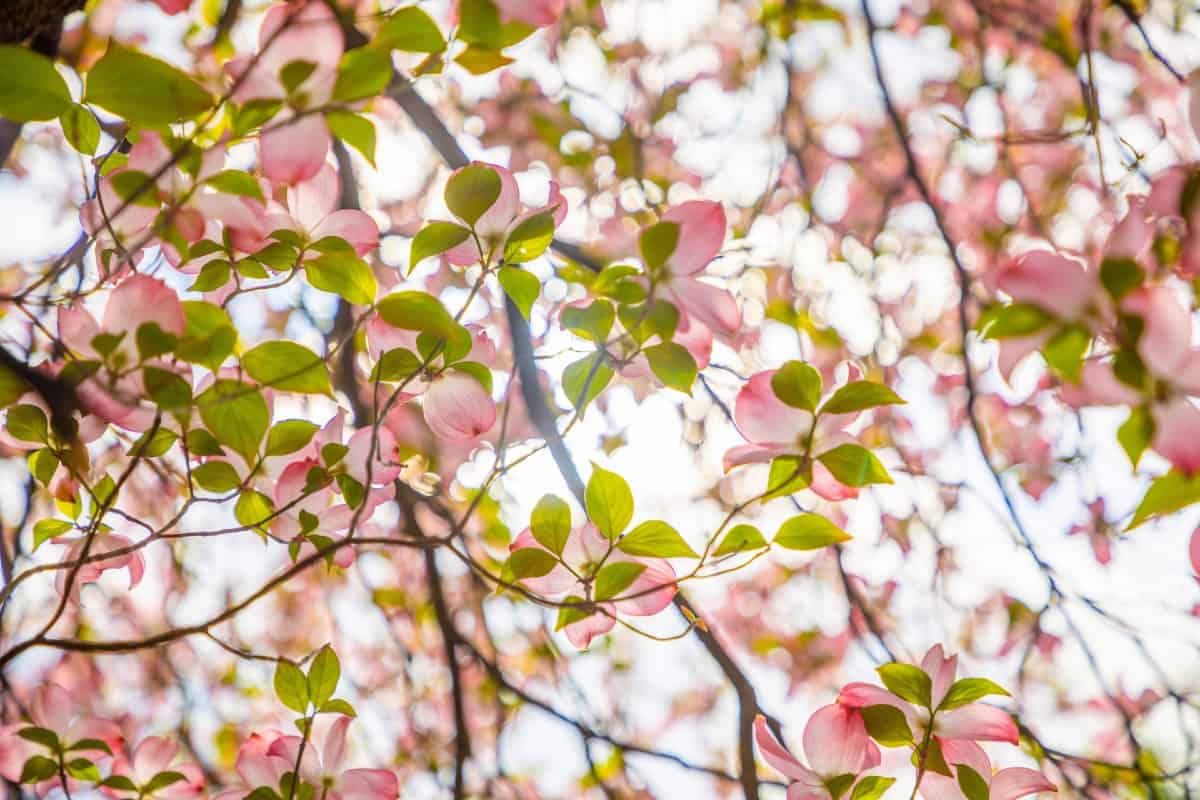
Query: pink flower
[(256, 766), (1193, 86), (835, 743), (91, 571), (151, 758), (586, 548), (1166, 341), (776, 429), (312, 212), (1097, 530), (1006, 784), (294, 145), (1058, 284), (55, 709), (136, 301), (1194, 552), (505, 214), (701, 234), (322, 766), (538, 13), (458, 407), (973, 721), (1175, 426)]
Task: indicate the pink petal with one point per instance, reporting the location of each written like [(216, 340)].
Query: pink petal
[(826, 486), (1175, 426), (1058, 284), (311, 200), (153, 756), (778, 756), (709, 305), (765, 419), (368, 784), (941, 671), (555, 583), (657, 581), (140, 299), (1013, 782), (1167, 336), (1131, 237), (940, 787), (582, 632), (295, 150), (977, 722), (356, 227), (701, 234), (1193, 85), (458, 407), (752, 454), (538, 13), (961, 751), (1098, 386), (52, 707), (836, 741), (334, 751), (1194, 551), (312, 34), (77, 328)]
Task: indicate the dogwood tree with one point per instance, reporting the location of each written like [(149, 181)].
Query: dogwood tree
[(599, 398)]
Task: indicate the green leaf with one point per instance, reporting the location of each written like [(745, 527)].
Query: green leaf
[(119, 782), (216, 476), (82, 769), (43, 736), (81, 129), (1015, 320), (908, 682), (798, 385), (973, 786), (854, 465), (655, 538), (576, 384), (1065, 350), (570, 614), (153, 341), (27, 423), (1120, 276), (323, 676), (739, 539), (809, 532), (38, 769), (143, 89), (435, 239), (530, 562), (90, 744), (481, 60), (236, 414), (12, 386), (1136, 433), (673, 365), (658, 243), (412, 30), (338, 706), (521, 286), (887, 725), (288, 436), (396, 365), (236, 182), (344, 274), (288, 366), (1166, 495), (859, 396), (42, 464), (291, 687), (609, 502), (612, 579), (550, 523), (46, 529), (32, 90), (419, 311), (208, 337), (202, 443), (162, 780), (363, 72), (530, 238), (253, 509), (839, 784), (153, 446), (294, 73), (593, 321), (213, 275), (968, 690), (788, 474), (355, 130), (169, 391), (871, 787), (471, 191)]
